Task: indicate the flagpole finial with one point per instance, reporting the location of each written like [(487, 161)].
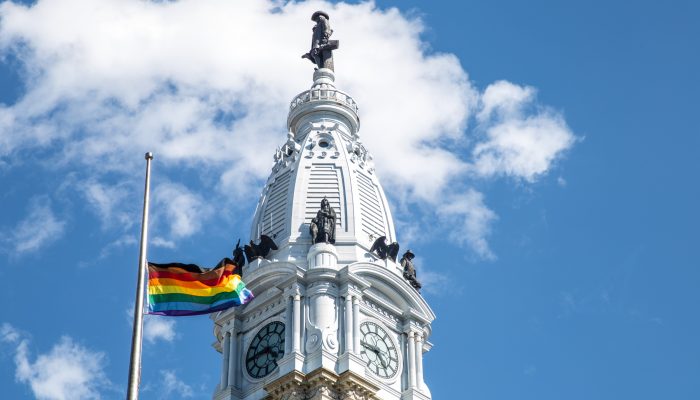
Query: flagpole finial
[(149, 156)]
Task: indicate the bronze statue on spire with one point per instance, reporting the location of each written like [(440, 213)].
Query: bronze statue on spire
[(322, 228), (321, 52)]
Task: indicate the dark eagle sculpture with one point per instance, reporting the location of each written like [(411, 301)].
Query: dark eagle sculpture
[(384, 250), (254, 251), (238, 257)]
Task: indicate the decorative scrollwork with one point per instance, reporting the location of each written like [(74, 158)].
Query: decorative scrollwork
[(284, 156), (359, 154)]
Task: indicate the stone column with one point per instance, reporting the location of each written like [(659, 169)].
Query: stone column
[(411, 359), (419, 360), (226, 354), (233, 362), (296, 338), (356, 325), (289, 323), (348, 324)]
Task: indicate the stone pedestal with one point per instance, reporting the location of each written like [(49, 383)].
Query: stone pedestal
[(324, 76), (323, 255)]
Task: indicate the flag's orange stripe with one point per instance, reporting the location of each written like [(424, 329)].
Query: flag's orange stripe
[(189, 284)]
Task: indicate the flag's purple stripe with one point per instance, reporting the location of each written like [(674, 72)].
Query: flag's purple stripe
[(182, 313)]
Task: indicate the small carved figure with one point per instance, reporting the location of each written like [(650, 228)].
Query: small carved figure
[(291, 146), (409, 271), (322, 227), (384, 250), (278, 155), (254, 251), (321, 52)]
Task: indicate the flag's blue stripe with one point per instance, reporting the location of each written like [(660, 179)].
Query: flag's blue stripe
[(186, 308)]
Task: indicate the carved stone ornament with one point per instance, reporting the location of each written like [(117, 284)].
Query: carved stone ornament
[(359, 155), (331, 342), (313, 341), (321, 384), (286, 155)]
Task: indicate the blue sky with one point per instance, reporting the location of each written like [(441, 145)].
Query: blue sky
[(565, 263)]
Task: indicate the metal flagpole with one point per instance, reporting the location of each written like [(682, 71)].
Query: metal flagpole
[(137, 335)]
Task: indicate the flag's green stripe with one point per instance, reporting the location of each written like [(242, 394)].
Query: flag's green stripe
[(180, 297)]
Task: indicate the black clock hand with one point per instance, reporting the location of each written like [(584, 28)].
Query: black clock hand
[(264, 352), (381, 360), (371, 347)]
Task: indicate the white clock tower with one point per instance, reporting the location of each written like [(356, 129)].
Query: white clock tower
[(330, 319)]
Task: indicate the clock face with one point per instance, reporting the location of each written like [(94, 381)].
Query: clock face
[(378, 350), (265, 350)]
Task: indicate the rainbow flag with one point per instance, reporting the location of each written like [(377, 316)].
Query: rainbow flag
[(185, 289)]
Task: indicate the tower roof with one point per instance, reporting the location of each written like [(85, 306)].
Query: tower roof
[(323, 157)]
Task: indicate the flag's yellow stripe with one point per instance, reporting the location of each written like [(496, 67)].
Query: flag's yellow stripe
[(190, 284), (208, 291)]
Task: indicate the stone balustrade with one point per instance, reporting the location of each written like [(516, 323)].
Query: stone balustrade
[(324, 94)]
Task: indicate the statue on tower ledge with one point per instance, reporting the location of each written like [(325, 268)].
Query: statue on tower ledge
[(322, 227), (321, 52), (409, 271)]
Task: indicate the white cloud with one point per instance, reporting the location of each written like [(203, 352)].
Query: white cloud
[(155, 327), (8, 333), (126, 240), (181, 210), (518, 143), (205, 84), (161, 242), (68, 371), (434, 282), (38, 229), (108, 202), (173, 385), (470, 220), (504, 99), (158, 328)]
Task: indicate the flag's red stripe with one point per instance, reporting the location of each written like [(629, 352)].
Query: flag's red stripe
[(188, 277)]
